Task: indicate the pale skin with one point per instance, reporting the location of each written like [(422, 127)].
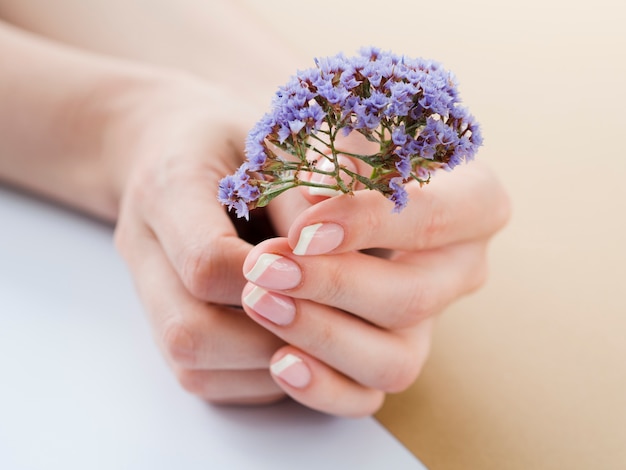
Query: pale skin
[(142, 141)]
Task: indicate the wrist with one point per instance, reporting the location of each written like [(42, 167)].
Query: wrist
[(60, 106)]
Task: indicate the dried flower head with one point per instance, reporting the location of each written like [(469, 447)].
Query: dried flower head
[(408, 107)]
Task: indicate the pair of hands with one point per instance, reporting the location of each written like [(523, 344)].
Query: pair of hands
[(338, 326)]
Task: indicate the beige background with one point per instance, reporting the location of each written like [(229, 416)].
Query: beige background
[(531, 371)]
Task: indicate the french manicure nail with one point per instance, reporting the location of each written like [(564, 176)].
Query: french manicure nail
[(292, 370), (325, 165), (274, 272), (318, 239), (275, 307)]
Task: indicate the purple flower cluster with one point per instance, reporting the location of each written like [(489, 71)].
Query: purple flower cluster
[(236, 191), (410, 107)]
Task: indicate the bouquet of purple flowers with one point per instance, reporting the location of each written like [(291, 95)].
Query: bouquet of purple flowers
[(408, 107)]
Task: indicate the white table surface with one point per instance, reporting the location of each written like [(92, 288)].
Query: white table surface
[(83, 386)]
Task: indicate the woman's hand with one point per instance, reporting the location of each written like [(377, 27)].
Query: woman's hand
[(104, 130), (359, 325), (173, 144)]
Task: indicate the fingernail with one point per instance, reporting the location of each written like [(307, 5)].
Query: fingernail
[(324, 164), (274, 272), (292, 370), (276, 308), (318, 239)]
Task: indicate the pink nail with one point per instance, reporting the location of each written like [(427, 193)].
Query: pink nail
[(318, 239), (274, 272), (276, 308), (292, 370), (325, 164)]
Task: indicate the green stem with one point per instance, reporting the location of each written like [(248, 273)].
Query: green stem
[(337, 176)]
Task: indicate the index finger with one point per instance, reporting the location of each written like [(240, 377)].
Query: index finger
[(466, 204)]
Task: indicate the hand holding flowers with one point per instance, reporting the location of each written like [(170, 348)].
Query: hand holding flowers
[(356, 325), (340, 328)]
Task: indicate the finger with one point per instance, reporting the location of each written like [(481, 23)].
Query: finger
[(321, 388), (284, 209), (391, 293), (231, 386), (466, 204), (192, 334), (177, 199), (321, 186), (377, 358), (352, 144)]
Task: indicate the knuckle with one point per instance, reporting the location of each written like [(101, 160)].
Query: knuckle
[(192, 381), (496, 200), (207, 269), (325, 338), (121, 239), (417, 305), (197, 272), (496, 206), (125, 234), (179, 344), (331, 289), (504, 210), (477, 271), (142, 188), (395, 380), (436, 223), (401, 376), (373, 219), (397, 384), (479, 276), (375, 403)]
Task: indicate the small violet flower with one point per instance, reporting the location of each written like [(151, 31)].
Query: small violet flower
[(409, 107)]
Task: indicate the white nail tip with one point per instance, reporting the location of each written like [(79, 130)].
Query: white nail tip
[(254, 296), (325, 164), (313, 191), (264, 262), (287, 361), (306, 235)]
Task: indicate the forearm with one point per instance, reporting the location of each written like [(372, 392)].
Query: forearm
[(222, 42), (57, 104)]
